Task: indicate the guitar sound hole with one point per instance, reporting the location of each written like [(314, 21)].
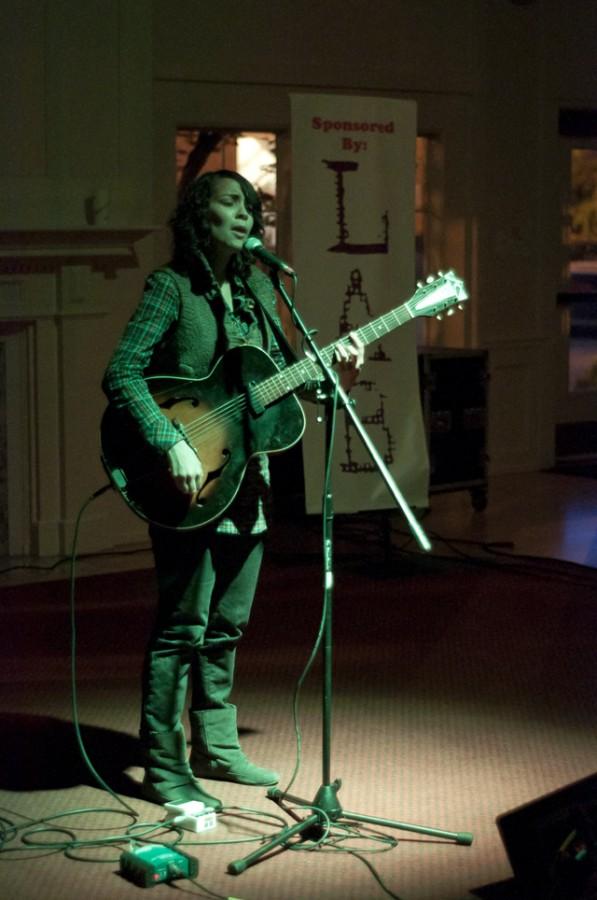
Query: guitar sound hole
[(213, 475)]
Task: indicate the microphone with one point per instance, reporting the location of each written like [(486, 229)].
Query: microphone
[(256, 249)]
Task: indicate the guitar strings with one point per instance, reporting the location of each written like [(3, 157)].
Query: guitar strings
[(202, 425), (209, 422)]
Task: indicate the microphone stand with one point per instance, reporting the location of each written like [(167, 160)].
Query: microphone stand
[(325, 808)]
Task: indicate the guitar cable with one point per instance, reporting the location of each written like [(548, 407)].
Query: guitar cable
[(73, 654), (45, 835)]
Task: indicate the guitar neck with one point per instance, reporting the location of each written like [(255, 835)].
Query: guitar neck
[(299, 373)]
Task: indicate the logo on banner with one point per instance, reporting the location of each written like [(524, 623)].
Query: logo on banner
[(355, 294), (340, 166), (353, 161)]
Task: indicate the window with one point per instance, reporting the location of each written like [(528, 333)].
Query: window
[(253, 154), (580, 239)]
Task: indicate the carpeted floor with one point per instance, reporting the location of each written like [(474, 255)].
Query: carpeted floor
[(462, 690)]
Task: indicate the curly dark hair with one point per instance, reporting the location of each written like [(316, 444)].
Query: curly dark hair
[(190, 226)]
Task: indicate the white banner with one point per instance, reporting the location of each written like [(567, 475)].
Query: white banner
[(353, 187)]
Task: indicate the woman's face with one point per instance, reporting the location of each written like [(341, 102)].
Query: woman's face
[(230, 221)]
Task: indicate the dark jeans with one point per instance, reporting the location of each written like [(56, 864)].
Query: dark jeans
[(206, 587)]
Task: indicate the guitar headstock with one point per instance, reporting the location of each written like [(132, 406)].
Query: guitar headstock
[(437, 295)]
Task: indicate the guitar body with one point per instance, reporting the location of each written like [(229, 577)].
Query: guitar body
[(220, 418), (245, 406)]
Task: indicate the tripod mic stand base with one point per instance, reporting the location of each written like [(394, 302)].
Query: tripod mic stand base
[(325, 810)]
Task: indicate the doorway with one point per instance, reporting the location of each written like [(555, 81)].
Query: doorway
[(576, 428)]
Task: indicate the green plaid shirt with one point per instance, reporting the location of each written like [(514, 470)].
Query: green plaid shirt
[(125, 386)]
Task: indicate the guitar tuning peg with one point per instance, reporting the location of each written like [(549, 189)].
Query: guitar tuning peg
[(419, 284), (460, 306), (440, 273), (439, 317), (450, 312), (429, 279)]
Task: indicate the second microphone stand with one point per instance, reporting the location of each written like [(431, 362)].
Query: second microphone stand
[(325, 807)]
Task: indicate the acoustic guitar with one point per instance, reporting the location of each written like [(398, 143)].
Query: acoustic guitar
[(245, 406)]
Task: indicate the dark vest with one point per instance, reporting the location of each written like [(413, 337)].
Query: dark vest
[(198, 337)]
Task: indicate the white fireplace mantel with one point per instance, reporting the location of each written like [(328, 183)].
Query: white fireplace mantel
[(101, 247)]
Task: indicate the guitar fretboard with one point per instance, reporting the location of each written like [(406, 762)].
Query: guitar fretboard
[(305, 370)]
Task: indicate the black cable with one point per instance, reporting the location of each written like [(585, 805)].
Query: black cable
[(549, 568), (66, 559), (48, 837), (75, 710), (359, 525), (35, 835), (497, 554), (375, 873), (338, 832)]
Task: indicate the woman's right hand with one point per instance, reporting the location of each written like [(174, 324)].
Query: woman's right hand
[(185, 467)]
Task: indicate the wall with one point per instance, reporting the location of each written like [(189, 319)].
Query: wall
[(75, 176), (94, 91)]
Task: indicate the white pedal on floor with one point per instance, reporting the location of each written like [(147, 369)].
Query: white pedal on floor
[(193, 816)]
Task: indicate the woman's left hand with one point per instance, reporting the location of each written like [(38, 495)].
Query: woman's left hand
[(350, 357)]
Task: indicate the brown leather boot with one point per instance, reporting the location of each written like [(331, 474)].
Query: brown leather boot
[(168, 776), (216, 752)]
